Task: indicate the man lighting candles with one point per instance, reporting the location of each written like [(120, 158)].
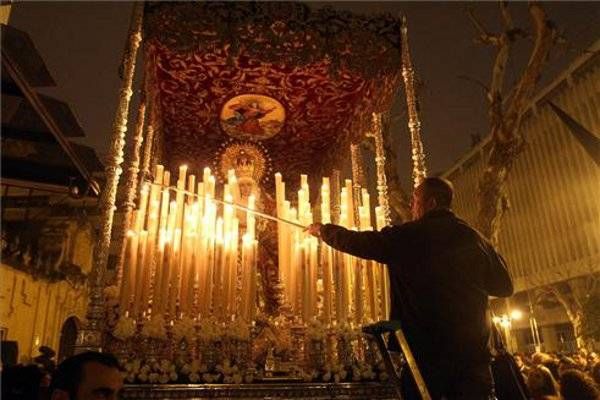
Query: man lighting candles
[(441, 273)]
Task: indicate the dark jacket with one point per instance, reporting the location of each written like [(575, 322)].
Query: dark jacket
[(441, 273)]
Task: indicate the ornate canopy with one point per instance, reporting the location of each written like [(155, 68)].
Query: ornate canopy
[(300, 83)]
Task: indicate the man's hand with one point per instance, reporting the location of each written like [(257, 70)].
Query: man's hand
[(314, 229)]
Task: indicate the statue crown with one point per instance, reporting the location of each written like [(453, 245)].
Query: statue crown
[(244, 166)]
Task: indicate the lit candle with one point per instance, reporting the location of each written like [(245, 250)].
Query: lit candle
[(246, 278), (174, 271), (141, 274), (169, 255), (327, 263), (218, 266), (281, 246), (141, 214), (325, 202), (211, 186), (191, 187), (385, 291), (359, 290), (129, 269), (152, 227), (232, 267), (250, 218), (306, 301), (371, 269), (366, 203), (158, 298), (185, 275), (205, 175), (253, 275), (349, 204), (313, 266)]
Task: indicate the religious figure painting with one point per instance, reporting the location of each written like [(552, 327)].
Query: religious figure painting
[(252, 117)]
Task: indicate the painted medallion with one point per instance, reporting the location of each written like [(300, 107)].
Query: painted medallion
[(252, 117)]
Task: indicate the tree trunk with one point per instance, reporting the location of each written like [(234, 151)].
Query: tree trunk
[(505, 112), (572, 307)]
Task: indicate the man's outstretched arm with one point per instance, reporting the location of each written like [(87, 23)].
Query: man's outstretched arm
[(370, 245)]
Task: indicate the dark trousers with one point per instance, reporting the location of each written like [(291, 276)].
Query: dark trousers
[(450, 380)]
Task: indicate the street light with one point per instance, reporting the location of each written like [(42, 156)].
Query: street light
[(516, 315), (505, 321)]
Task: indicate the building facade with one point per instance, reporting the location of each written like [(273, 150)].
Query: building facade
[(48, 202), (551, 230)]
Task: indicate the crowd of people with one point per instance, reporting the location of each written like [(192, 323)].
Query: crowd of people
[(552, 376)]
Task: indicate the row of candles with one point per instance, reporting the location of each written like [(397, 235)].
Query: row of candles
[(188, 255), (353, 291)]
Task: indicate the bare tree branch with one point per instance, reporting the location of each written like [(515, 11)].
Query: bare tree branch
[(506, 16), (484, 36), (505, 114), (476, 81), (544, 39)]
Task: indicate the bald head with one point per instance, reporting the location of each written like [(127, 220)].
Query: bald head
[(433, 193)]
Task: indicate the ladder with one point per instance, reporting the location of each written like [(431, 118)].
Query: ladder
[(377, 331)]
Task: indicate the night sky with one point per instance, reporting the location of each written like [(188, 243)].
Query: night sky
[(82, 44)]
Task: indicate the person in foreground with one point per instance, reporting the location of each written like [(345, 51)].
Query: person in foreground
[(441, 273), (87, 376)]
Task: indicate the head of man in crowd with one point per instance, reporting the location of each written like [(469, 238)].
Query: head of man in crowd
[(432, 194), (87, 376)]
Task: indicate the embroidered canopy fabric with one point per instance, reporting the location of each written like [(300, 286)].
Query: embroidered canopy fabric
[(298, 84)]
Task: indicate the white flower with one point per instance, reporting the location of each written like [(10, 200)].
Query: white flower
[(195, 366), (153, 377), (155, 327), (184, 328), (186, 369), (316, 330), (209, 329), (239, 330), (111, 294), (125, 328)]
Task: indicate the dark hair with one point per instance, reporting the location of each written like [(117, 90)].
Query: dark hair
[(440, 189), (575, 385), (69, 373), (21, 382), (540, 382)]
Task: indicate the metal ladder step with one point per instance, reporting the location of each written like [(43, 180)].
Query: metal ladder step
[(377, 331)]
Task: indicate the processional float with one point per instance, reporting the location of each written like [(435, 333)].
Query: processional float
[(247, 115)]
